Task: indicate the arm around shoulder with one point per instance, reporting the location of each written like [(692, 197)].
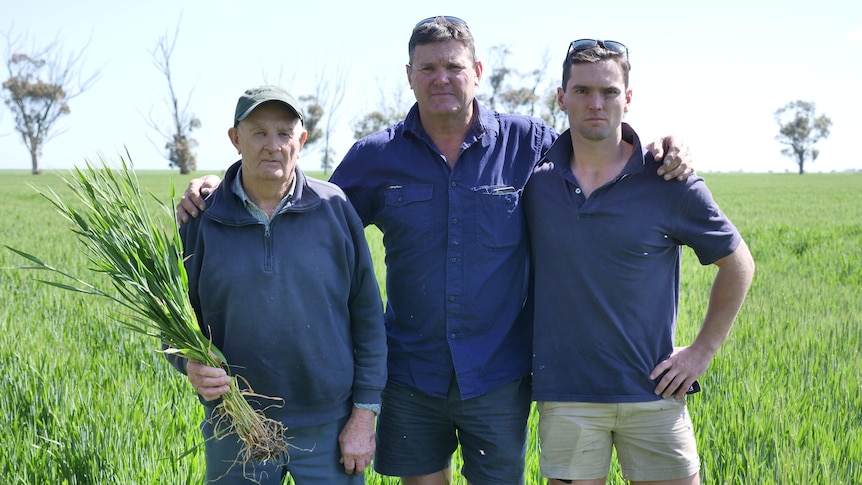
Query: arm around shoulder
[(192, 201), (675, 155)]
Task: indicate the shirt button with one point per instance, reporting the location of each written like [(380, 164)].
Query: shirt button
[(452, 298), (455, 221), (452, 336), (452, 184), (453, 260), (577, 190)]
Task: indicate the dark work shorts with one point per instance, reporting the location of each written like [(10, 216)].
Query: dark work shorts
[(417, 434)]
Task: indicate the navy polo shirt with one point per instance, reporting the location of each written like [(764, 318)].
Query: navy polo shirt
[(608, 273), (457, 257)]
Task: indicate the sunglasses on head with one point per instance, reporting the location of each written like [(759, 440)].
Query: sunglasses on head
[(454, 20), (611, 45)]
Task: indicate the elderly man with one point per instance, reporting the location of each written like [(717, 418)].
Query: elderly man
[(281, 278)]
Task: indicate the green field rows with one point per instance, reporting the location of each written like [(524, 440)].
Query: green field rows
[(83, 401)]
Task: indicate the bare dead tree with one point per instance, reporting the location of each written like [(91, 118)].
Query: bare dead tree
[(313, 114), (179, 144), (540, 84), (329, 95), (525, 93), (42, 81), (498, 75), (392, 108), (551, 112)]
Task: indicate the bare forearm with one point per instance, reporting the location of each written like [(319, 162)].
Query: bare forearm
[(729, 289), (686, 364)]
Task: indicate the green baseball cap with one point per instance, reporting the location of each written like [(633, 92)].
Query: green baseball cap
[(254, 97)]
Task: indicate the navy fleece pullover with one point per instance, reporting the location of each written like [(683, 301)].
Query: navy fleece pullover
[(294, 306)]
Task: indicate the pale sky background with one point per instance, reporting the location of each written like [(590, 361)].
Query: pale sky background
[(711, 72)]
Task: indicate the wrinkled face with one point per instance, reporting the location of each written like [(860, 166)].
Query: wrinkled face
[(443, 77), (269, 140), (595, 99)]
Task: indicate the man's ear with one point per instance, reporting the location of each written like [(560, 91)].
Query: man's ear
[(233, 134), (409, 70)]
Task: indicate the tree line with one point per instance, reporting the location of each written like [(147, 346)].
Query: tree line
[(43, 80)]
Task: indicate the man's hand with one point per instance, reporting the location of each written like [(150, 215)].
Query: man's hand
[(357, 441), (192, 203), (680, 371), (209, 382), (676, 158)]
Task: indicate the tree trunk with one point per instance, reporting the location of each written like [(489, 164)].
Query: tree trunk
[(34, 159)]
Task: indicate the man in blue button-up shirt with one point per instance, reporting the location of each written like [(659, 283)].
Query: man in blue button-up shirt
[(444, 186)]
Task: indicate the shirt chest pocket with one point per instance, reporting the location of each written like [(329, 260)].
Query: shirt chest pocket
[(408, 213), (499, 217)]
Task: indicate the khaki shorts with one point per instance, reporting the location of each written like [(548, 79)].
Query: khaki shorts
[(654, 440)]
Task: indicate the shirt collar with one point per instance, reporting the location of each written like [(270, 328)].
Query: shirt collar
[(256, 211), (561, 152), (486, 122)]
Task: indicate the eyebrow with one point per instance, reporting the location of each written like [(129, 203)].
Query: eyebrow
[(600, 88), (285, 127)]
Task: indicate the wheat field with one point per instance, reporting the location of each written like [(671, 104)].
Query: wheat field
[(84, 401)]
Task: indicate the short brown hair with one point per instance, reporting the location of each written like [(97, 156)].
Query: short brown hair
[(441, 29), (593, 55)]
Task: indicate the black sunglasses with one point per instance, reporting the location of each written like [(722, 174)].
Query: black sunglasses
[(454, 20), (585, 44)]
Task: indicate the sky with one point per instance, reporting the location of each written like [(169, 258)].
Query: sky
[(710, 73)]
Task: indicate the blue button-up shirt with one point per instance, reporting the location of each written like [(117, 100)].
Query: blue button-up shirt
[(457, 258)]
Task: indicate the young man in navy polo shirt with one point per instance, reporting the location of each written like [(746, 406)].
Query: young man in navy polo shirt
[(606, 235)]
